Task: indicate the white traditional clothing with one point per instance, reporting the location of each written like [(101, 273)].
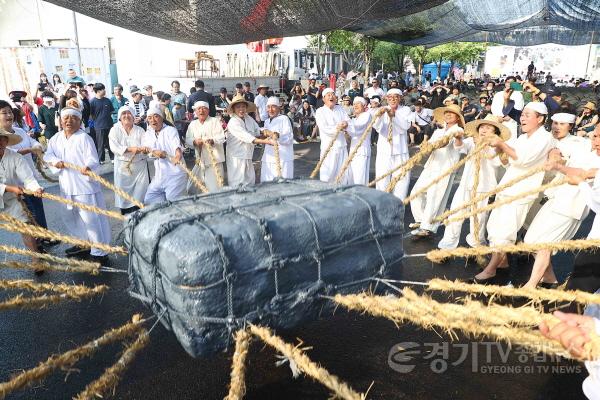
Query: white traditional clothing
[(169, 179), (27, 142), (15, 171), (362, 159), (79, 149), (260, 102), (592, 197), (210, 129), (240, 148), (268, 170), (429, 205), (133, 180), (327, 120), (532, 151), (391, 155), (487, 181)]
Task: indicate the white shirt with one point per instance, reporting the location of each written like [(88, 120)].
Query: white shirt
[(444, 157), (27, 143), (167, 140), (211, 128), (400, 124), (327, 120), (241, 134), (356, 128), (487, 171), (498, 102), (422, 118), (371, 91), (119, 140), (260, 102), (282, 125), (592, 197), (14, 171), (79, 149)]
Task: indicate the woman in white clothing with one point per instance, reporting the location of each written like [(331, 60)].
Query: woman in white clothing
[(356, 128), (131, 170)]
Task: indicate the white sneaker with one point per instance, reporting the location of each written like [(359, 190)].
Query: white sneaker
[(414, 225)]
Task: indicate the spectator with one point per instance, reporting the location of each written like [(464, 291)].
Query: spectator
[(201, 95), (485, 111), (454, 95), (355, 90), (177, 95), (42, 86), (58, 85), (374, 90), (139, 117), (347, 105), (438, 95), (149, 96), (421, 124), (587, 120), (179, 119), (101, 110), (222, 102), (118, 101), (469, 110), (307, 121), (239, 90), (248, 95), (297, 90), (48, 114), (165, 105)]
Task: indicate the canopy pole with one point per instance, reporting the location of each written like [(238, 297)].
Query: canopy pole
[(77, 44), (587, 65)]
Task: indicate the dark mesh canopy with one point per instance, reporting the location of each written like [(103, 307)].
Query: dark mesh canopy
[(425, 22)]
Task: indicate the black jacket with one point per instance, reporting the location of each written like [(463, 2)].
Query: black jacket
[(201, 95)]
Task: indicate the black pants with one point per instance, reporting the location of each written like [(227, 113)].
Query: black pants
[(102, 143), (36, 207), (425, 130), (125, 211)]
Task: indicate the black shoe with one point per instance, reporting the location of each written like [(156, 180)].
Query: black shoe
[(75, 250), (548, 285), (39, 272), (102, 260), (486, 281), (49, 243)]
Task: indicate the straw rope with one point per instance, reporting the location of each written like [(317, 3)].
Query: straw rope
[(277, 158), (68, 359), (320, 374), (94, 176), (195, 180), (107, 383), (483, 196), (213, 163), (39, 266), (27, 211), (129, 162), (22, 302), (75, 290), (450, 170), (391, 115), (80, 266), (565, 245), (39, 165), (362, 139), (476, 227), (14, 225), (471, 318), (426, 149), (327, 150), (504, 201), (535, 294), (83, 206), (237, 387)]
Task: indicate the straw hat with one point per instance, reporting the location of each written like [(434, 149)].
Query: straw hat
[(240, 99), (438, 114), (589, 105), (12, 137), (472, 128)]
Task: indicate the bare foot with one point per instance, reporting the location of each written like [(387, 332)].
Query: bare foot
[(484, 275)]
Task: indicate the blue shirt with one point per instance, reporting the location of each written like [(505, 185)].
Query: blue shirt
[(101, 111), (116, 105)]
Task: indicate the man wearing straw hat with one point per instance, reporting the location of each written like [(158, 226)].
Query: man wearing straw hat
[(477, 132), (356, 128), (528, 151), (277, 128), (587, 120), (260, 101), (427, 206), (205, 134), (15, 175), (73, 145), (163, 140), (561, 216), (332, 119), (393, 151), (243, 134)]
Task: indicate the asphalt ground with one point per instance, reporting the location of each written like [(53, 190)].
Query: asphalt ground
[(359, 349)]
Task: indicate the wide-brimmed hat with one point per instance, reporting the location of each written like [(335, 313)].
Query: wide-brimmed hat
[(590, 106), (12, 137), (240, 99), (472, 128), (438, 114), (262, 86)]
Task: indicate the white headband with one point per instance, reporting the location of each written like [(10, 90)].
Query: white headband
[(359, 99), (564, 117), (155, 111), (538, 107), (273, 101), (199, 104), (327, 90), (70, 111), (124, 109), (47, 98), (394, 91)]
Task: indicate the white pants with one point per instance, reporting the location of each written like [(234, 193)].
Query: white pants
[(360, 169), (170, 187), (268, 170), (14, 208), (384, 164), (332, 166), (506, 221), (432, 203), (87, 225), (206, 174), (453, 229), (549, 226), (240, 171)]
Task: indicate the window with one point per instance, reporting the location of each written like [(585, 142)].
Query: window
[(63, 53), (29, 42), (59, 42)]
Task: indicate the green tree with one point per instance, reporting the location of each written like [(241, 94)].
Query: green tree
[(356, 49), (392, 55)]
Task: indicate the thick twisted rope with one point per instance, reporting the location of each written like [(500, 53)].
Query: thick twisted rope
[(107, 383), (94, 176), (83, 206), (536, 294), (278, 170), (237, 386), (195, 180), (565, 245), (22, 302), (14, 225), (320, 374), (354, 151), (41, 266), (403, 169), (390, 135), (449, 171), (327, 150), (80, 265), (74, 290), (213, 163), (483, 196), (39, 165), (476, 227), (68, 359), (503, 201), (128, 164)]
